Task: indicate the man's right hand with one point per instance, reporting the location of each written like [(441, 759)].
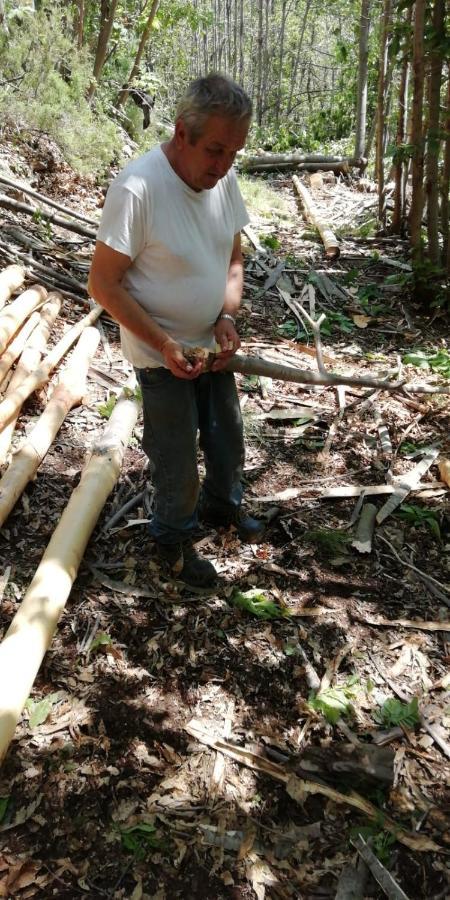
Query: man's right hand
[(175, 360)]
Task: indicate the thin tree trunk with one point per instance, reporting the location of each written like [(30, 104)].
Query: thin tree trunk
[(297, 56), (107, 13), (363, 57), (259, 63), (445, 183), (241, 41), (415, 216), (381, 117), (79, 23), (401, 164), (433, 138), (137, 60)]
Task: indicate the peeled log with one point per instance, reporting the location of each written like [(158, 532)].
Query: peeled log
[(16, 346), (68, 393), (330, 242), (33, 626), (28, 363), (11, 404), (308, 161), (16, 312), (10, 279)]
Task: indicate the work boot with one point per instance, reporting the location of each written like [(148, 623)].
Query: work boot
[(184, 563), (249, 529)]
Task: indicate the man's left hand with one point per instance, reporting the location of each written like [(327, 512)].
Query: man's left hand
[(228, 339)]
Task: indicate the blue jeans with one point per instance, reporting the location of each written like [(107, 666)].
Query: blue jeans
[(174, 411)]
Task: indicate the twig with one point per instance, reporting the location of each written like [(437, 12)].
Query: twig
[(381, 875), (433, 585), (126, 508)]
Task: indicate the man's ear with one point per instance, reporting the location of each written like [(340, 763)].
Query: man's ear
[(181, 135)]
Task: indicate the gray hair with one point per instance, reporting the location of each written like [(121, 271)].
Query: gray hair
[(213, 95)]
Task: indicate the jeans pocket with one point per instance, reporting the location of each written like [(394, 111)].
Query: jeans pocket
[(148, 378)]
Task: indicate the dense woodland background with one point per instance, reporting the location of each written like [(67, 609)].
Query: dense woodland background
[(369, 79)]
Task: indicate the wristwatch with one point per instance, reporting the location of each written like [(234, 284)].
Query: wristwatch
[(226, 316)]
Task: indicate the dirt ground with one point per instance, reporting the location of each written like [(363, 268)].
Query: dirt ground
[(307, 731)]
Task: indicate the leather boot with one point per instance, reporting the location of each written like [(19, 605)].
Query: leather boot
[(184, 563)]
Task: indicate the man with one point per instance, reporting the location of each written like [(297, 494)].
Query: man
[(168, 267)]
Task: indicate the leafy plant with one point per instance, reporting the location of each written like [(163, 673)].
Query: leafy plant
[(395, 712), (101, 640), (269, 240), (438, 362), (335, 702), (106, 409), (380, 841), (289, 329), (256, 603), (416, 516), (39, 712), (329, 540), (140, 839)]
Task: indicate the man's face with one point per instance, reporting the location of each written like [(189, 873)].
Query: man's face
[(203, 164)]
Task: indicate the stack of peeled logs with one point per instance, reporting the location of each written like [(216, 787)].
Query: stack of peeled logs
[(25, 326)]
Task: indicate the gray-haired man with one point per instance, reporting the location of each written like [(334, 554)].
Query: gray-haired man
[(168, 267)]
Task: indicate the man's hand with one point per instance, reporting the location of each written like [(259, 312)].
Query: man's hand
[(228, 339), (176, 361)]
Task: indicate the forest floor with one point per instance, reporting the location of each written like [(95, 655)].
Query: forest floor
[(325, 720)]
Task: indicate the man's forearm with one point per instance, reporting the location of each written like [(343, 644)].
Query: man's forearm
[(234, 287), (127, 312)]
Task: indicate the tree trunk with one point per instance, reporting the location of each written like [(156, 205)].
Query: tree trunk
[(445, 184), (433, 135), (78, 23), (260, 44), (330, 242), (107, 13), (363, 56), (381, 117), (401, 164), (297, 56), (415, 216), (15, 314), (137, 61)]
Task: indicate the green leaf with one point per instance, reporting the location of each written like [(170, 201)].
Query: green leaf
[(39, 712), (256, 603), (335, 702), (105, 409), (394, 712), (140, 838), (3, 807), (102, 640)]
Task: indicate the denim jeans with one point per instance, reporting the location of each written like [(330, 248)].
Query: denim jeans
[(175, 410)]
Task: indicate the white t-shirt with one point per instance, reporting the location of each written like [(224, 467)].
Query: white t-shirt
[(180, 243)]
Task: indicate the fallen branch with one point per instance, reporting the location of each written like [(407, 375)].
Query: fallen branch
[(298, 788), (68, 392), (10, 405), (330, 242), (256, 365), (33, 626), (13, 316), (10, 279), (420, 625), (439, 590), (16, 206), (47, 200)]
